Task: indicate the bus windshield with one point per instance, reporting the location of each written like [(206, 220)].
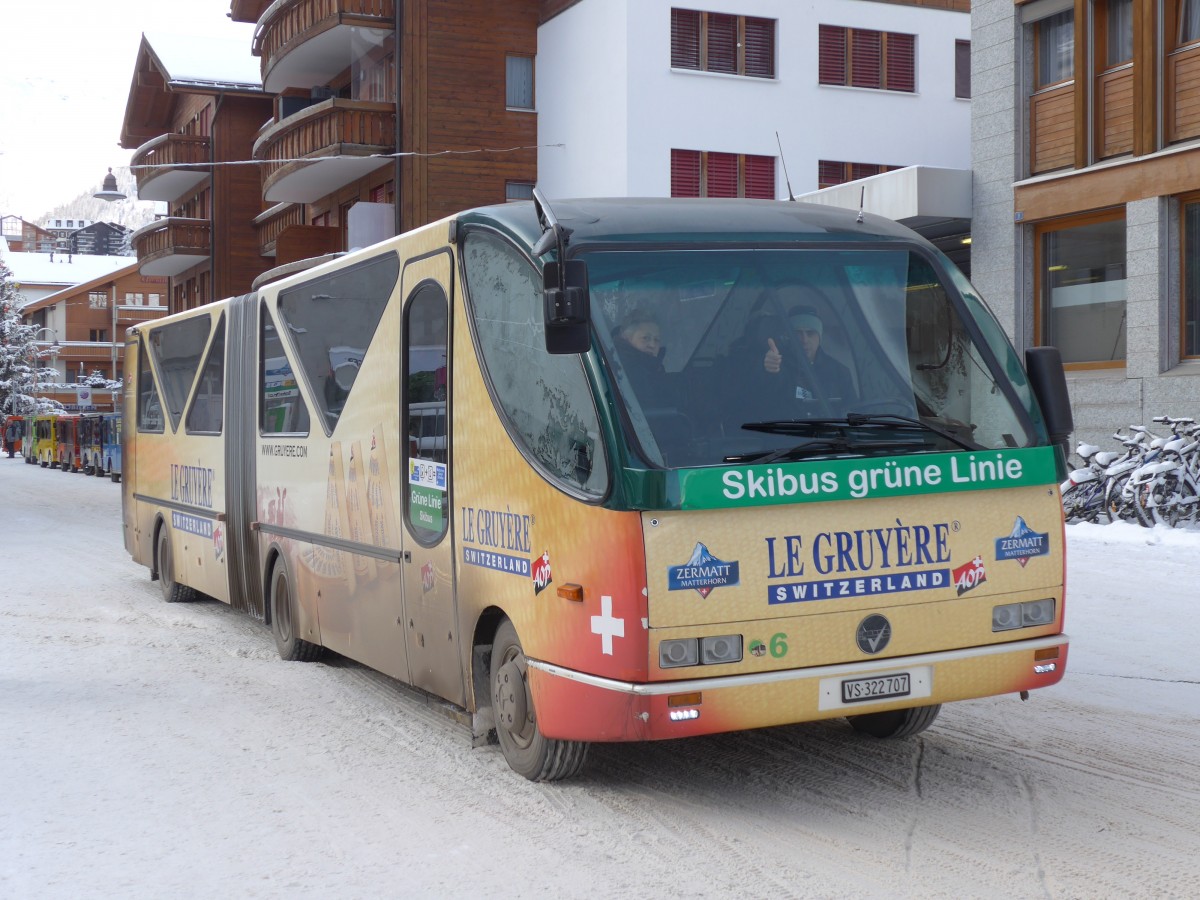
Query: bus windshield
[(737, 355)]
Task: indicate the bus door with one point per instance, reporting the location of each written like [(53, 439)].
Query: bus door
[(431, 618)]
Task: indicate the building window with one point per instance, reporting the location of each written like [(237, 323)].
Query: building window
[(1081, 284), (1115, 24), (831, 171), (1055, 38), (384, 193), (519, 82), (856, 57), (1189, 21), (1191, 279), (97, 300), (155, 299), (321, 219), (962, 69), (98, 335), (695, 173), (718, 42), (518, 190)]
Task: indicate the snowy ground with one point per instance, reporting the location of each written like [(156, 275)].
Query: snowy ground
[(156, 751)]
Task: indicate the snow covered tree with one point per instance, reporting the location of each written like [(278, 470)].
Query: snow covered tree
[(20, 373)]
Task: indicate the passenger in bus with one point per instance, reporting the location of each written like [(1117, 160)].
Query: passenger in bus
[(641, 332)]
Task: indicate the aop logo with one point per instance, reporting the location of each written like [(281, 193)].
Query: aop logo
[(873, 634)]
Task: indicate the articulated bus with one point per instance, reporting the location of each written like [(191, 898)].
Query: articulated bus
[(828, 490)]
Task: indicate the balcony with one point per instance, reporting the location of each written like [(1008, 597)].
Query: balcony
[(343, 139), (307, 42), (274, 221), (173, 245), (184, 159)]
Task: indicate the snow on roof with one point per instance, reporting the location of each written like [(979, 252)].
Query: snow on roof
[(207, 60), (64, 269)]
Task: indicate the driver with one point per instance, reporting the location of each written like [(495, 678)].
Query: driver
[(823, 377)]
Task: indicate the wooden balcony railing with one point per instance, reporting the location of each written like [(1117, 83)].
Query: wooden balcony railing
[(172, 237), (334, 127), (1182, 91), (172, 151), (288, 23), (1052, 128), (1114, 112), (274, 221)]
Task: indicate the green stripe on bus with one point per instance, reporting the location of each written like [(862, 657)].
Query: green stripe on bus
[(860, 479)]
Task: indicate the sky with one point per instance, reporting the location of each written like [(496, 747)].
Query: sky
[(65, 79)]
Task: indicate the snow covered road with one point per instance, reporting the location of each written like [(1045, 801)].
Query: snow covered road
[(155, 750)]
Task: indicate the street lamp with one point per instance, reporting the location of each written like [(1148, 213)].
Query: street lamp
[(108, 191)]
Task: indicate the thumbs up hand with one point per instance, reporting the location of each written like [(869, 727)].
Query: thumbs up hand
[(772, 360)]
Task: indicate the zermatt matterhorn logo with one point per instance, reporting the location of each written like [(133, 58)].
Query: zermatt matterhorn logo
[(1023, 543), (702, 573)]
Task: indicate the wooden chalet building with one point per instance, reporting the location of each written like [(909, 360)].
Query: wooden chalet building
[(84, 326), (192, 107), (25, 237), (357, 82)]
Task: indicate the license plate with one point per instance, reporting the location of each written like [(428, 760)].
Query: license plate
[(879, 687)]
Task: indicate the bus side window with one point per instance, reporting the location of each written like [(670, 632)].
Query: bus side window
[(206, 414), (149, 408), (546, 399), (282, 409)]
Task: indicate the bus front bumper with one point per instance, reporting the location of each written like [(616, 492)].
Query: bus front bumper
[(574, 705)]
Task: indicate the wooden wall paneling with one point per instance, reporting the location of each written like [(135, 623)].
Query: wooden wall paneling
[(237, 197), (1145, 77), (1114, 113), (1052, 129), (1082, 68)]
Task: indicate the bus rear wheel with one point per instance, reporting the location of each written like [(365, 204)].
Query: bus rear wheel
[(172, 591), (283, 621), (896, 723), (527, 751)]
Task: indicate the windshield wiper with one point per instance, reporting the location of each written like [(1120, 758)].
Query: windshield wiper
[(815, 446), (895, 419), (858, 420)]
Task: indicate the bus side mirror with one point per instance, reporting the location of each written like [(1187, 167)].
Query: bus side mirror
[(566, 307), (1049, 383)]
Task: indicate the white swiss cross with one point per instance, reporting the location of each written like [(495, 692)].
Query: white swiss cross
[(606, 626)]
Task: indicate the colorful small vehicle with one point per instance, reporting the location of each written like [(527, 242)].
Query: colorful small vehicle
[(91, 449), (14, 432), (110, 443), (68, 443), (27, 440), (45, 441)]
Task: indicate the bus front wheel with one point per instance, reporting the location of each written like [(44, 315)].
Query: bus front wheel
[(526, 749), (172, 591), (896, 723), (283, 621)]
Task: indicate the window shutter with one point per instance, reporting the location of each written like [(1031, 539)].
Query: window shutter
[(722, 43), (760, 47), (685, 39), (865, 58), (685, 173), (722, 175), (862, 170), (830, 172), (760, 177), (832, 65), (901, 62)]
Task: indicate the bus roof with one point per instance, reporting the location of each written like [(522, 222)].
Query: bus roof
[(625, 220)]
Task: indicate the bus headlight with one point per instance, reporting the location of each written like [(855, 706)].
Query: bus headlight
[(1023, 615), (1037, 612), (725, 648), (672, 654)]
